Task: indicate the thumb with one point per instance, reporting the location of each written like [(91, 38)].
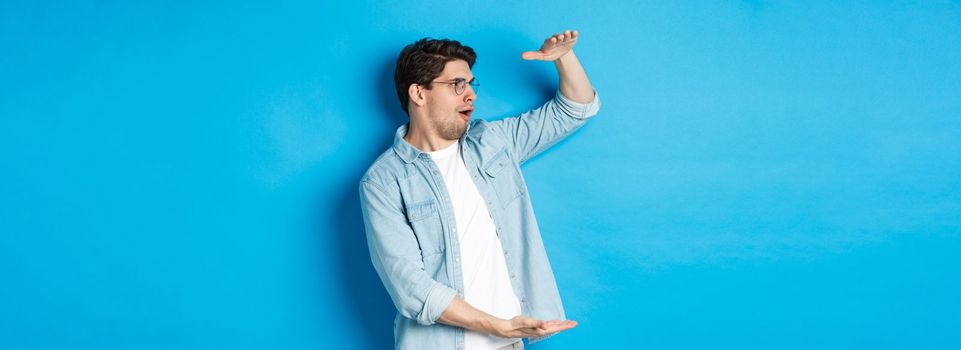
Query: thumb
[(532, 55)]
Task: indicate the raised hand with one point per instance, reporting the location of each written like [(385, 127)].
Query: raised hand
[(554, 47), (526, 327)]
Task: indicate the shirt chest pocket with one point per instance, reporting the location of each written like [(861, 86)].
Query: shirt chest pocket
[(504, 178), (424, 219)]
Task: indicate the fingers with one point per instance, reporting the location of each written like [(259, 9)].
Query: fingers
[(532, 332), (567, 35), (528, 327), (560, 326), (535, 328)]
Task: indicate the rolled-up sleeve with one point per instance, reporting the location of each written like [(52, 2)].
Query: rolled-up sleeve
[(537, 130), (396, 257)]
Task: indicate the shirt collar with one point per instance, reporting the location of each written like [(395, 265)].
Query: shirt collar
[(408, 152)]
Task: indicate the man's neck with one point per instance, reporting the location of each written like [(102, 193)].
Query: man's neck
[(424, 141)]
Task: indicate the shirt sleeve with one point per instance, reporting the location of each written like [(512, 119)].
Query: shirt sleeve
[(537, 130), (397, 259)]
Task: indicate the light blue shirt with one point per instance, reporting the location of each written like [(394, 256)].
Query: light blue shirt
[(412, 235)]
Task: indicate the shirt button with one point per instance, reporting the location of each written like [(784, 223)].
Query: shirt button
[(505, 253), (457, 259), (512, 276)]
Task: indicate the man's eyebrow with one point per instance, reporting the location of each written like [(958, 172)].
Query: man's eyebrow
[(460, 77)]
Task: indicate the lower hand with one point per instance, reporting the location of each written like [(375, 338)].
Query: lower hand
[(526, 327)]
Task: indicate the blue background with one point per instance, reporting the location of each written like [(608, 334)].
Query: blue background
[(181, 175)]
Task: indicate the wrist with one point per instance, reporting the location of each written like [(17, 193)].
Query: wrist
[(492, 325), (562, 59)]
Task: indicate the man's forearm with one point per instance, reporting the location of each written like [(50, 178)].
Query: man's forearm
[(461, 314), (573, 79)]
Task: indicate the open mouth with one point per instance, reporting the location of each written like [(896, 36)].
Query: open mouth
[(466, 113)]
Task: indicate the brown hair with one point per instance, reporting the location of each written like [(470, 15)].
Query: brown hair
[(424, 60)]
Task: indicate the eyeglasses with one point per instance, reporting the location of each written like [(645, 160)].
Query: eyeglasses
[(460, 84)]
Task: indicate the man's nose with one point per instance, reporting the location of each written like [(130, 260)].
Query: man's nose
[(469, 95)]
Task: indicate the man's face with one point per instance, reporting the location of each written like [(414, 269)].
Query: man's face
[(448, 112)]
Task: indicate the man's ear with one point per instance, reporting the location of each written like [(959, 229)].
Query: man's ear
[(417, 94)]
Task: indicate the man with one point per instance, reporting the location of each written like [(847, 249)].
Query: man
[(449, 223)]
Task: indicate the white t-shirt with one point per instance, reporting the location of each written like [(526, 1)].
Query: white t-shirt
[(487, 285)]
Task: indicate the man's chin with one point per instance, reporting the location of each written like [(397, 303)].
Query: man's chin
[(452, 132), (454, 135)]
